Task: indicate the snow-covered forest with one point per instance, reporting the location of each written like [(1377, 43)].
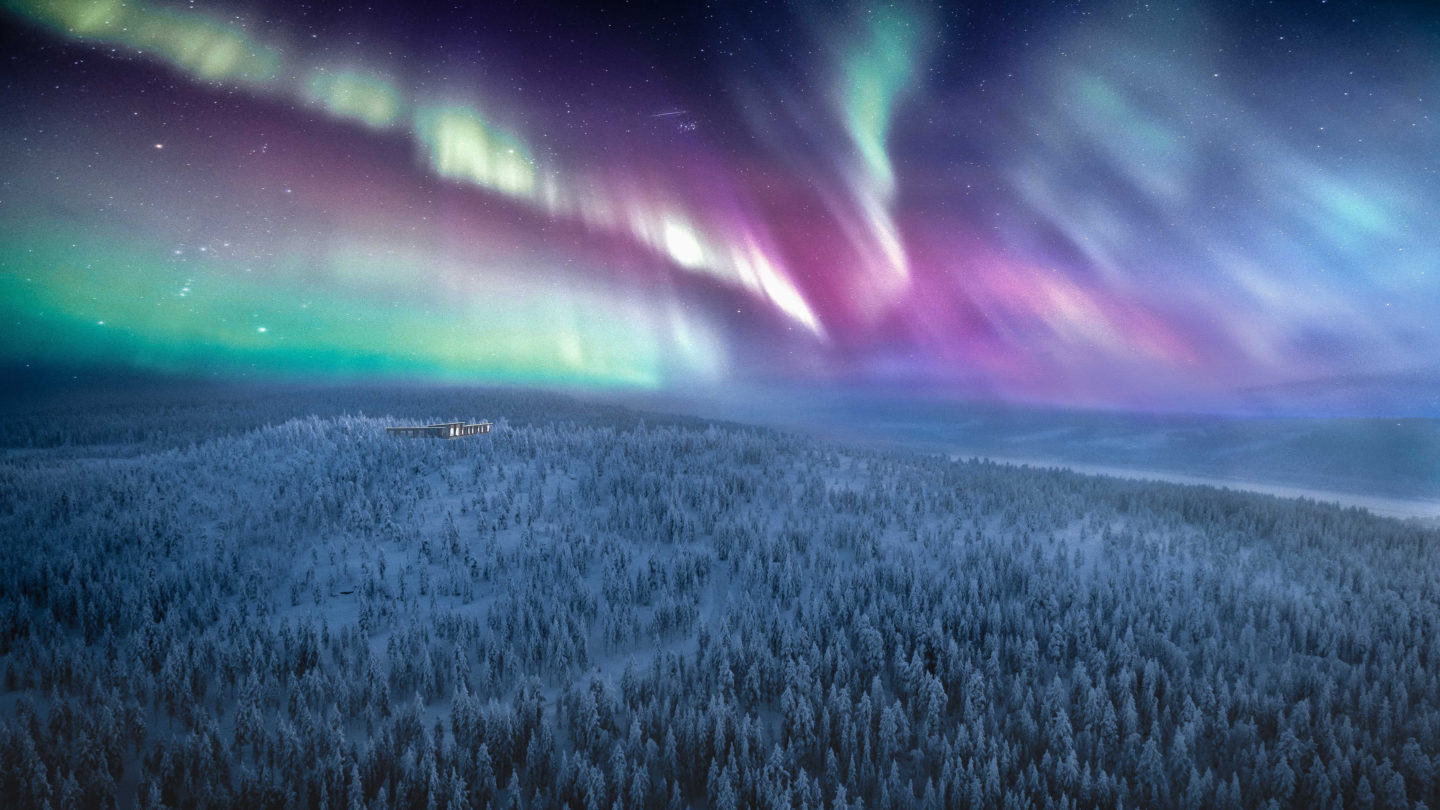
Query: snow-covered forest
[(268, 602)]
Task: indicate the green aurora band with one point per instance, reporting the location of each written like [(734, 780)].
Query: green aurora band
[(69, 297), (877, 67), (455, 140)]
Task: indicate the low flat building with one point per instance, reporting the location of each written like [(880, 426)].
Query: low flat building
[(445, 430)]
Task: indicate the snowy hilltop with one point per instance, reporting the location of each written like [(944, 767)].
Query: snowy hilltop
[(270, 602)]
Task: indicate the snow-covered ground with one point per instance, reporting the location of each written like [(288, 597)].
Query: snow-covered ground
[(268, 602)]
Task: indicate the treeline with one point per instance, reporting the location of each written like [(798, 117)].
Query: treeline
[(110, 422), (578, 614)]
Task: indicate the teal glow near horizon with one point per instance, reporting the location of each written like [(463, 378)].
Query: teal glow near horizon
[(73, 298)]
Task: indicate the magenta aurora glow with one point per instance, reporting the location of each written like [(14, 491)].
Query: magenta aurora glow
[(1162, 206)]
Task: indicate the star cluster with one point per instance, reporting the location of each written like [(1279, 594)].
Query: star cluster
[(1157, 206)]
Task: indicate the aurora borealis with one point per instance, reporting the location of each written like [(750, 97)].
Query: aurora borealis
[(1157, 206)]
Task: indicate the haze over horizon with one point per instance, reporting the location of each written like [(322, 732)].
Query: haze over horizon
[(1155, 207)]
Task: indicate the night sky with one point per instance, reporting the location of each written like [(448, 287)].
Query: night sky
[(1126, 205)]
